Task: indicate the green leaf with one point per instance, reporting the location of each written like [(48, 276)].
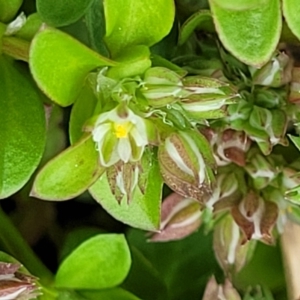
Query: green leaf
[(82, 110), (240, 4), (131, 22), (60, 64), (70, 173), (100, 262), (22, 127), (143, 211), (133, 61), (8, 9), (109, 294), (30, 28), (77, 236), (63, 12), (295, 140), (255, 41), (202, 19), (95, 23), (291, 11)]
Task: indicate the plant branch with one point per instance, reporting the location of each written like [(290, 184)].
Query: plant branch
[(16, 48)]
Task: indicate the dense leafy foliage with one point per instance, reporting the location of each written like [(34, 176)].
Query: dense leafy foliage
[(174, 117)]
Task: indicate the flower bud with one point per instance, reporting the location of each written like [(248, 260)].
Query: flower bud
[(213, 291), (228, 145), (277, 72), (267, 128), (186, 164), (258, 293), (275, 195), (238, 114), (206, 98), (262, 169), (179, 218), (231, 254), (228, 189), (161, 86), (270, 98), (256, 217), (16, 285), (291, 184)]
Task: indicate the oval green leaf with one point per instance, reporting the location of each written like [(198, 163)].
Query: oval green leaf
[(8, 9), (143, 211), (295, 140), (22, 127), (256, 40), (95, 25), (59, 64), (240, 4), (134, 22), (109, 294), (63, 12), (291, 12), (100, 262), (69, 174)]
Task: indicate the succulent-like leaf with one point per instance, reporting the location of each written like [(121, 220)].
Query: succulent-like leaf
[(255, 41), (63, 12), (105, 259), (291, 10), (8, 9), (143, 211), (22, 127), (70, 173), (60, 64), (130, 22)]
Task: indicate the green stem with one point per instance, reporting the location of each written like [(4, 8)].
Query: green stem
[(13, 243), (16, 48)]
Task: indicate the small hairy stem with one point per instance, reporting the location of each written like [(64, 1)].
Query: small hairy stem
[(13, 243), (290, 244), (16, 48)]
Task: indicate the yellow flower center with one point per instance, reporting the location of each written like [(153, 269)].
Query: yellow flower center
[(121, 130)]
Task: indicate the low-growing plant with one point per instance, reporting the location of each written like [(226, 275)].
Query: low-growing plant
[(173, 123)]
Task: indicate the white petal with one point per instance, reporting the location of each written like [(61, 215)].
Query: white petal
[(120, 182), (124, 149), (114, 158), (99, 132), (104, 117), (139, 137)]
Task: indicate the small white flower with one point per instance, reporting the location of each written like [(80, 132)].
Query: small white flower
[(120, 134)]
